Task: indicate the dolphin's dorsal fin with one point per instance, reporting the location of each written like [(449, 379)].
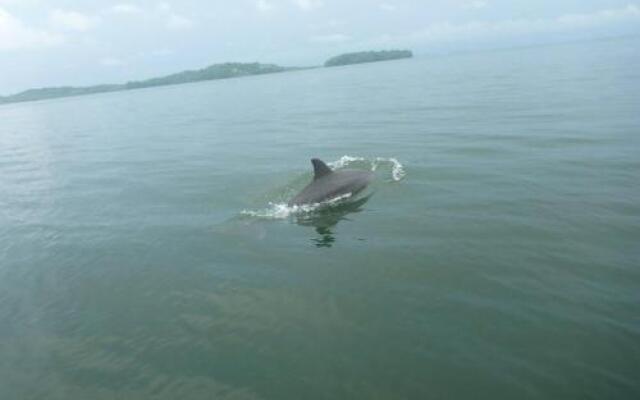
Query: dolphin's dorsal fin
[(320, 169)]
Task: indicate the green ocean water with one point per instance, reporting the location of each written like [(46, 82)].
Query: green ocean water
[(145, 252)]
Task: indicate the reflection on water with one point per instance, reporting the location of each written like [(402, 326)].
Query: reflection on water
[(324, 219)]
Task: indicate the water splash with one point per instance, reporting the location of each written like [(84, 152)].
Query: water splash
[(281, 210), (344, 161), (284, 211), (397, 169)]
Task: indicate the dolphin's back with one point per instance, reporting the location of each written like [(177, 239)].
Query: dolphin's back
[(329, 184)]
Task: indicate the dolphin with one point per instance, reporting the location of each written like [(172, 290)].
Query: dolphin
[(328, 184)]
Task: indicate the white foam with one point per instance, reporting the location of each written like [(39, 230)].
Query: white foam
[(344, 161), (284, 211), (397, 169)]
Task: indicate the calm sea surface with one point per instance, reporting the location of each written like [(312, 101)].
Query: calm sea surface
[(145, 252)]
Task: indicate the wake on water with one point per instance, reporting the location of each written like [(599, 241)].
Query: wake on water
[(397, 169), (280, 210)]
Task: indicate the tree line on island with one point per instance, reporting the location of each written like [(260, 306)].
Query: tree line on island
[(366, 57), (212, 72)]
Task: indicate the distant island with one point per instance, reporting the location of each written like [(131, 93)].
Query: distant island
[(212, 72), (367, 57), (216, 71)]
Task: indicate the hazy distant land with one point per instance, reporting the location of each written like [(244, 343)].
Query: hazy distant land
[(367, 57), (216, 71), (212, 72)]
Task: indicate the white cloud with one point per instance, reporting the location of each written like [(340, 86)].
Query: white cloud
[(112, 62), (14, 34), (71, 20), (126, 8), (449, 32), (9, 2), (160, 53), (327, 25), (264, 5), (476, 4), (164, 7), (308, 5), (173, 20), (332, 38), (387, 7), (179, 22), (630, 12)]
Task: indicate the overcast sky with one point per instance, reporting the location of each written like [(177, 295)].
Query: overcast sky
[(79, 42)]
